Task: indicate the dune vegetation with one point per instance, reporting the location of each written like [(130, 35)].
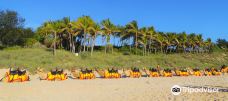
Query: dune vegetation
[(32, 58)]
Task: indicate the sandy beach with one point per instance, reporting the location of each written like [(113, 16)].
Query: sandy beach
[(124, 89)]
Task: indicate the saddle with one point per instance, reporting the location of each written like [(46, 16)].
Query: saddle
[(153, 70), (135, 70)]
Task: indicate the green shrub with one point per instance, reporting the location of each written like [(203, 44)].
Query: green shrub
[(29, 42)]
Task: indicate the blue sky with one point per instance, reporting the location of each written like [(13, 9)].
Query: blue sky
[(208, 17)]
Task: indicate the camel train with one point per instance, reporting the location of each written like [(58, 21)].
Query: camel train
[(57, 74)]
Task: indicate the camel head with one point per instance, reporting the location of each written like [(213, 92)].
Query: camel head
[(39, 70)]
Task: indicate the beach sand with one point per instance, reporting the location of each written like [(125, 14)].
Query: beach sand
[(124, 89)]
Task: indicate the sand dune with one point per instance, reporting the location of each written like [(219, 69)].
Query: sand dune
[(125, 89)]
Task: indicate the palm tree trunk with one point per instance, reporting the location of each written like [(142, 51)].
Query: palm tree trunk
[(177, 49), (136, 42), (81, 43), (60, 36), (93, 43), (70, 36), (92, 49), (145, 50), (73, 45), (155, 50), (54, 47), (184, 49), (111, 45), (84, 47), (161, 47), (192, 49), (106, 44), (87, 48), (149, 50), (170, 50)]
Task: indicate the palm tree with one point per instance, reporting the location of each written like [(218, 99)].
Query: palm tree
[(172, 40), (51, 27), (132, 28), (199, 41), (151, 35), (118, 33), (208, 44), (182, 37), (69, 29), (161, 39), (44, 29), (108, 28), (125, 36), (83, 24), (69, 34), (94, 30), (143, 38), (191, 41)]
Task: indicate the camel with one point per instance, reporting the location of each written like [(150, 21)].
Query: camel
[(215, 72), (127, 72), (54, 74), (124, 72), (182, 71), (154, 72), (42, 75), (16, 75), (207, 72), (135, 72), (100, 72), (224, 69), (195, 72), (177, 71), (110, 73), (167, 72), (146, 71), (190, 70), (75, 74), (86, 74)]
